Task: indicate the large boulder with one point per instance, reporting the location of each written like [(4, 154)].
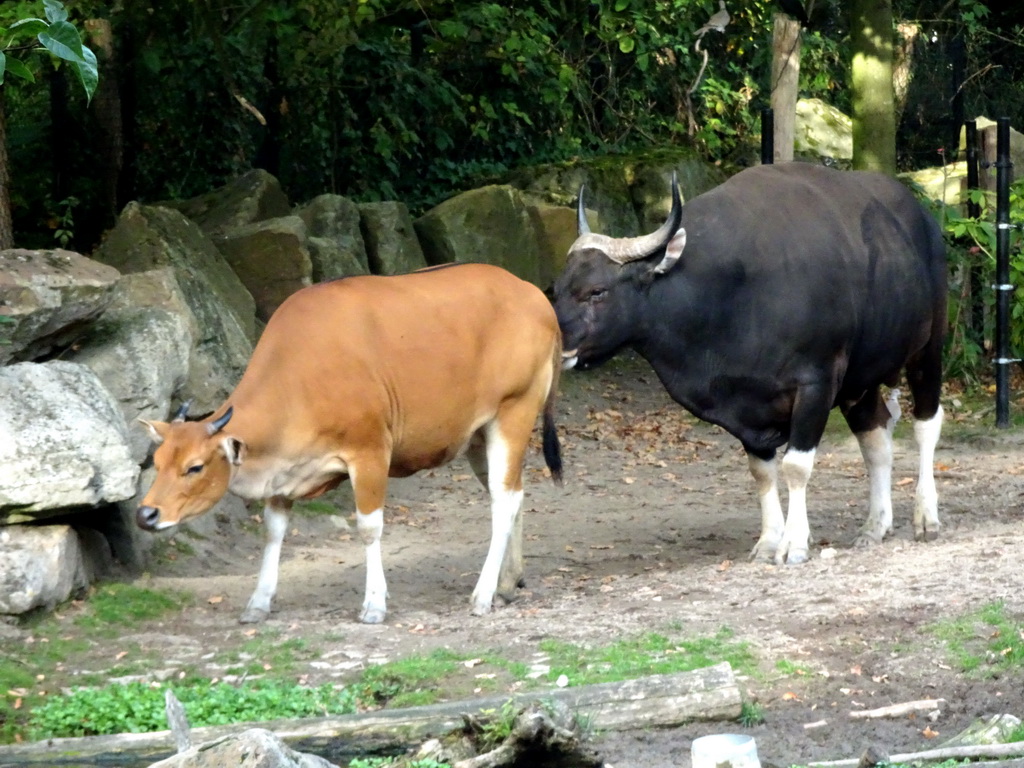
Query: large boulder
[(43, 565), (173, 266), (254, 196), (333, 221), (489, 225), (390, 238), (141, 357), (555, 229), (65, 446), (822, 131), (148, 237), (271, 259), (49, 296)]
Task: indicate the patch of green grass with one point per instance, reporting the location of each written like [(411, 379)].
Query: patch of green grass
[(647, 655), (410, 681), (789, 668), (985, 641), (314, 508), (751, 714), (139, 707), (384, 762), (117, 607)]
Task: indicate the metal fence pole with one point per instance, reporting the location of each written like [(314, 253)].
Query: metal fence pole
[(1002, 287), (976, 272), (767, 136)]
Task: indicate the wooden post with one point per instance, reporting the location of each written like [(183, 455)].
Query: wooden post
[(785, 83)]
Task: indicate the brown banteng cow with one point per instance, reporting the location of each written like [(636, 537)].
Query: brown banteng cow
[(368, 378)]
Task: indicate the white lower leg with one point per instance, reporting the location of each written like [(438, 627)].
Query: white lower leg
[(796, 469), (370, 526), (766, 479), (504, 510), (926, 501), (876, 448), (275, 523)]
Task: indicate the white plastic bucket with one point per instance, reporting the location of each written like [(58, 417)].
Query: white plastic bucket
[(725, 750)]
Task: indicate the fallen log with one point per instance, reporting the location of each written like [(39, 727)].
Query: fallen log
[(898, 710), (1013, 749), (710, 693)]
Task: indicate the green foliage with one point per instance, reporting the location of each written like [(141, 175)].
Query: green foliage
[(751, 714), (647, 655), (985, 642), (115, 607), (407, 682), (139, 708), (384, 762)]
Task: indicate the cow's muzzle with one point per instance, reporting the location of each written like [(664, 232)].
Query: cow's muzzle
[(147, 518)]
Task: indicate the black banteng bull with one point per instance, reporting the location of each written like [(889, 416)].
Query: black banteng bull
[(799, 289)]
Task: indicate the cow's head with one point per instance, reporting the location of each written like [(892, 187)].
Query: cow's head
[(193, 463), (597, 295)]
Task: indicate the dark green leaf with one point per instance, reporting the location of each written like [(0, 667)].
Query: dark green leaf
[(16, 67), (63, 41), (88, 72), (55, 11), (29, 27)]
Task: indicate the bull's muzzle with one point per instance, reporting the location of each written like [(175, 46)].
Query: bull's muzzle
[(147, 518)]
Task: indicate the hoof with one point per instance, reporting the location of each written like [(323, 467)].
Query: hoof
[(763, 553), (253, 616), (481, 607), (929, 535), (372, 616), (793, 557), (867, 540)]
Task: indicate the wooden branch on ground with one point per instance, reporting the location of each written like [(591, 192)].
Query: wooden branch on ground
[(710, 693), (1013, 749), (898, 710)]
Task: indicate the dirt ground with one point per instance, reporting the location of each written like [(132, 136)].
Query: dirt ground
[(651, 533)]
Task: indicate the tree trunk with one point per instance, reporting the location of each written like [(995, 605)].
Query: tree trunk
[(785, 83), (903, 60), (874, 115), (6, 225), (106, 105)]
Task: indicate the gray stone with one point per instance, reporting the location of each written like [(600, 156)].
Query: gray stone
[(171, 265), (49, 296), (252, 748), (254, 196), (489, 225), (271, 259), (390, 237), (141, 357), (40, 566), (335, 219), (822, 131), (64, 445)]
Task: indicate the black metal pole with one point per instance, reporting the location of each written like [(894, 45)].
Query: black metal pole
[(1003, 288), (976, 272), (767, 136)]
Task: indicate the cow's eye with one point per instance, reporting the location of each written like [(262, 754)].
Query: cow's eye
[(195, 469), (597, 294)]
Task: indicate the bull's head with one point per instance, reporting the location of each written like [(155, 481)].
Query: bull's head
[(603, 284), (193, 464)]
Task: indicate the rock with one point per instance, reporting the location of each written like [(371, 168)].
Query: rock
[(43, 565), (335, 219), (390, 238), (489, 225), (50, 295), (555, 228), (65, 446), (822, 131), (141, 357), (271, 259), (946, 183), (171, 265), (252, 748), (252, 197)]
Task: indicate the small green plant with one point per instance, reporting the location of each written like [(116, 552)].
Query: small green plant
[(407, 682), (499, 724), (113, 607), (383, 762), (751, 714), (64, 232), (787, 668), (139, 707)]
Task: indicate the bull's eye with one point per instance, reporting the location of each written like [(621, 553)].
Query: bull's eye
[(596, 295), (195, 469)]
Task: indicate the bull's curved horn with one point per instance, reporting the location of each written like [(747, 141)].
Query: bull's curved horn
[(218, 424), (625, 249), (582, 225), (182, 411)]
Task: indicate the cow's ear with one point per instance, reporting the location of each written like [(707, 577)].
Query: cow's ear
[(234, 449), (673, 251), (157, 429)]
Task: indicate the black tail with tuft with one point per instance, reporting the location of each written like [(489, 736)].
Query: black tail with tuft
[(552, 450)]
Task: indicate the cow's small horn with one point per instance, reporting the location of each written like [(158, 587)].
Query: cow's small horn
[(218, 424), (626, 249), (182, 411), (582, 225)]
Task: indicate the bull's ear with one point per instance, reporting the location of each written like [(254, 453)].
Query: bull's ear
[(157, 429), (673, 251), (234, 449)]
